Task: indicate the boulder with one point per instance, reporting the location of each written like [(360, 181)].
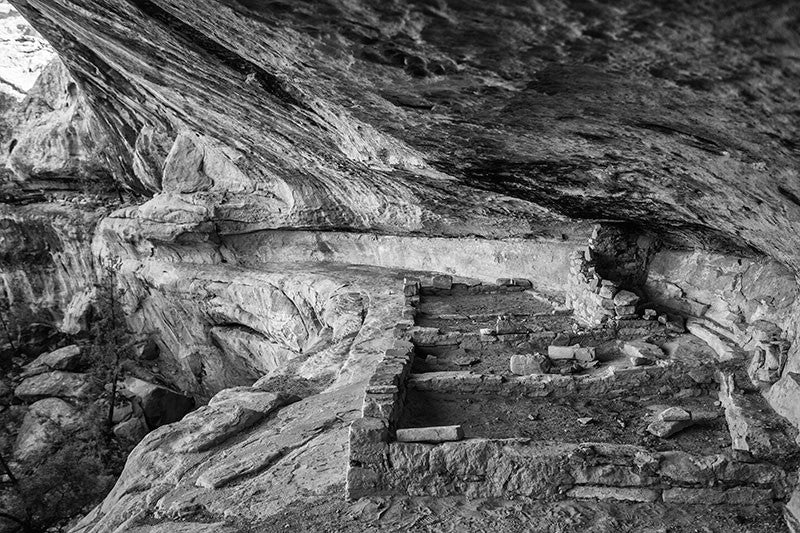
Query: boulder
[(66, 358), (526, 364), (45, 425), (131, 431), (54, 384), (159, 404), (147, 350)]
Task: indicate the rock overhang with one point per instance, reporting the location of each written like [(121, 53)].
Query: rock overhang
[(459, 118)]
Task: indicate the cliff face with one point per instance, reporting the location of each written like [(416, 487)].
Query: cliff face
[(272, 144)]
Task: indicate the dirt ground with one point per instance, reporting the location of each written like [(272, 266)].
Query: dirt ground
[(459, 515), (614, 420)]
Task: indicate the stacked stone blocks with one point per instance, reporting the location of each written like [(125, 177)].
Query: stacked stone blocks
[(595, 300)]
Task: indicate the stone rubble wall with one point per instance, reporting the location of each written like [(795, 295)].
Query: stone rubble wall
[(368, 470), (668, 378), (590, 296)]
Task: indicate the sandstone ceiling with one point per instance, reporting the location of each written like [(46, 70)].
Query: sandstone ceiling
[(452, 117)]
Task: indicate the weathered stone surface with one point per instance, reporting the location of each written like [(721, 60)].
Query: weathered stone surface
[(45, 425), (58, 384), (526, 364), (430, 434)]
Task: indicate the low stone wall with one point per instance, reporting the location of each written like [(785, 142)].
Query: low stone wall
[(611, 382), (383, 404), (432, 340), (508, 468)]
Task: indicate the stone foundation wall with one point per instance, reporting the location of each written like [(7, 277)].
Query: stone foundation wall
[(508, 468), (368, 467)]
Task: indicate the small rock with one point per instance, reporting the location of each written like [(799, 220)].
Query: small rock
[(642, 350), (562, 352), (527, 364), (442, 281), (585, 420), (430, 434), (585, 354), (505, 325), (625, 298), (649, 314), (562, 339), (627, 310), (640, 361), (662, 428), (514, 282), (607, 291), (467, 360), (675, 414)]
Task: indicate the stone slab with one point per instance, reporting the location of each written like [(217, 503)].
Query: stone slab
[(431, 434)]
